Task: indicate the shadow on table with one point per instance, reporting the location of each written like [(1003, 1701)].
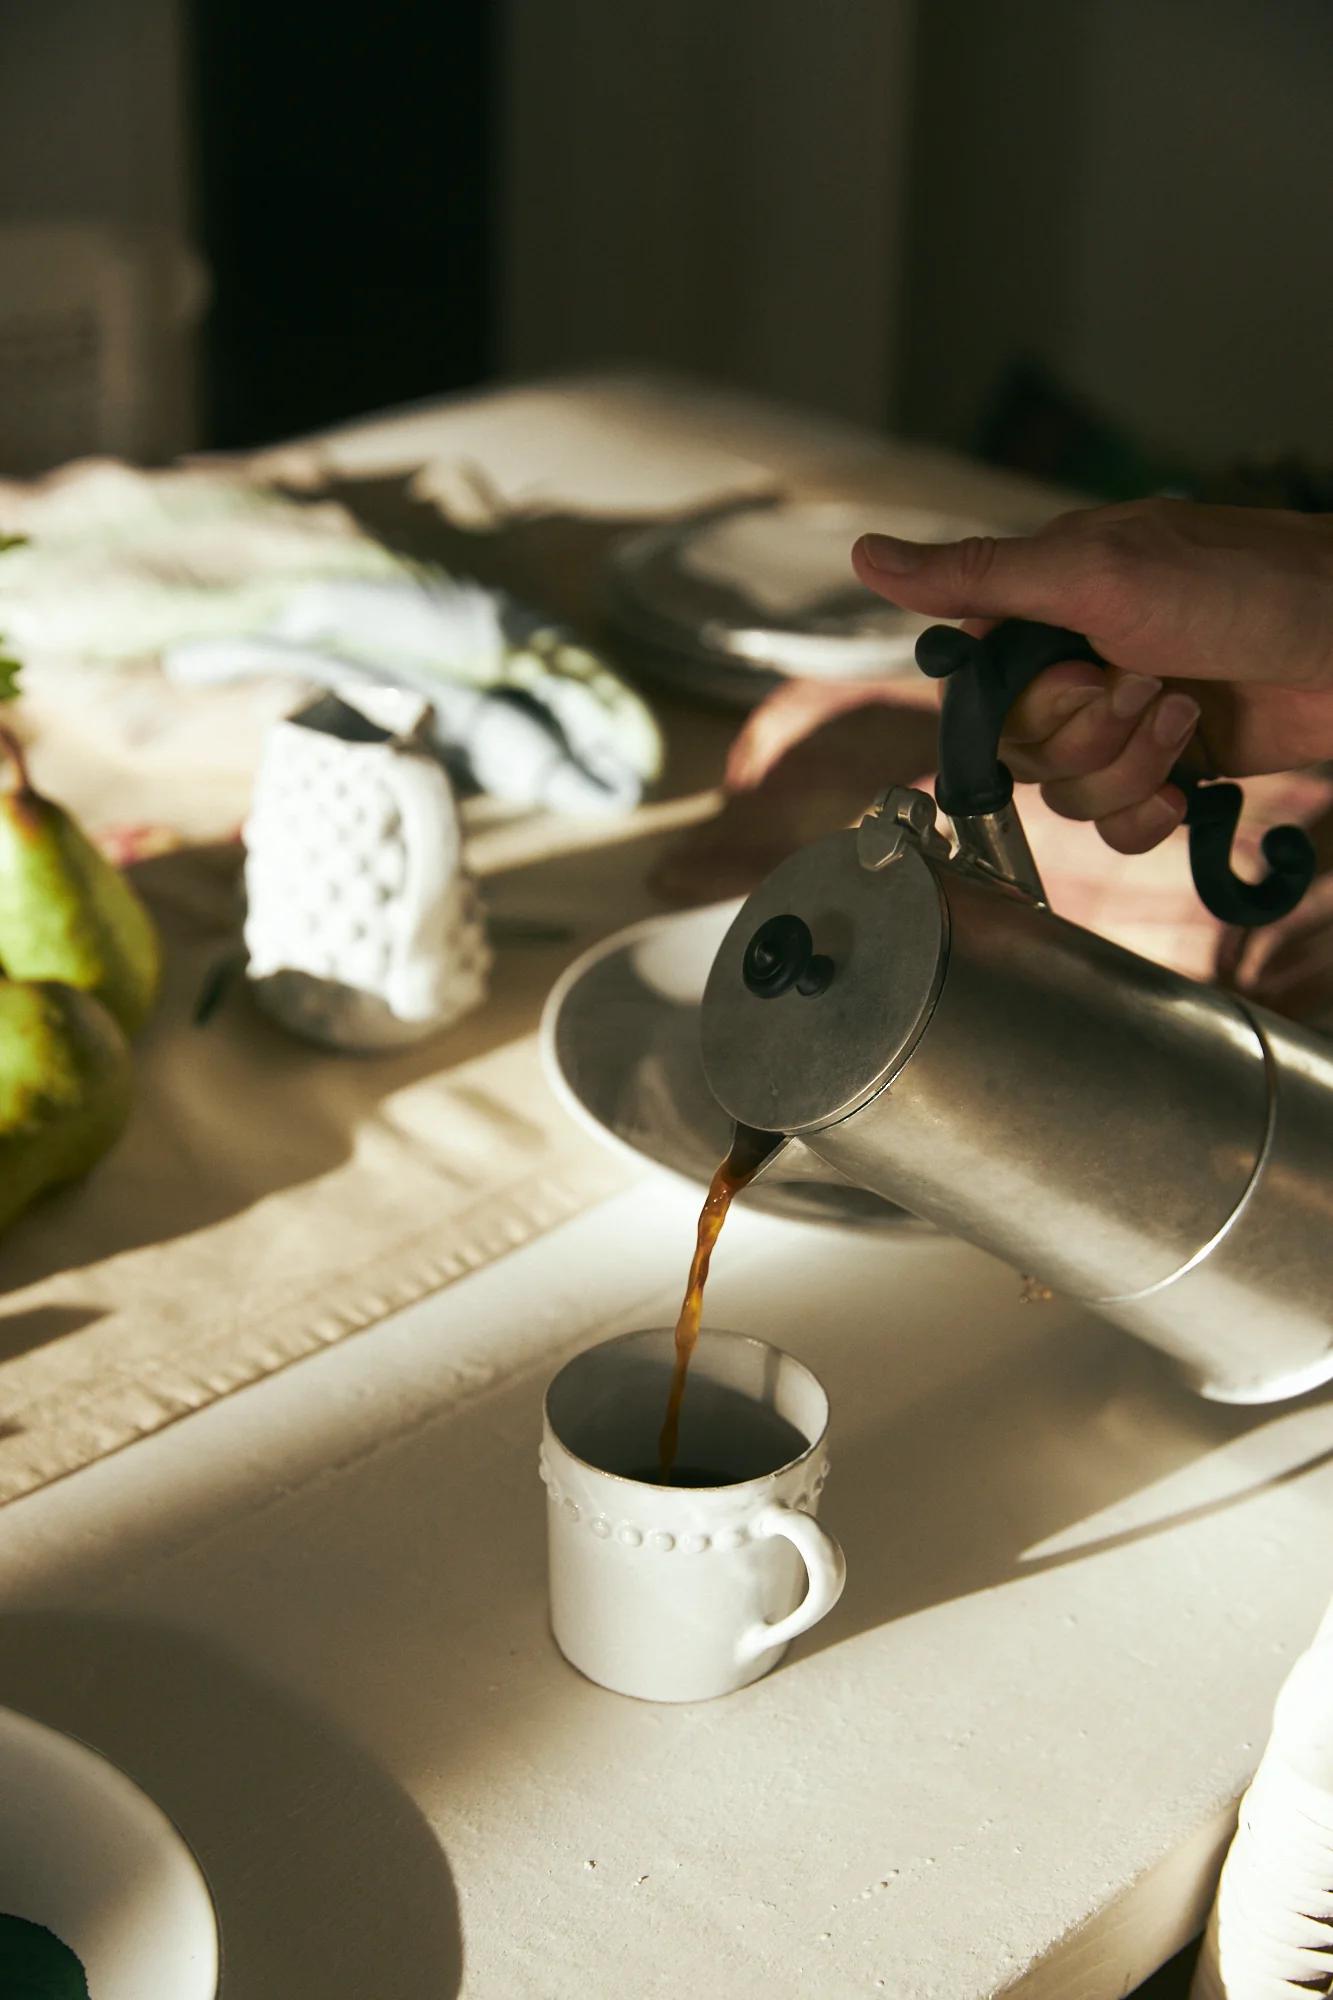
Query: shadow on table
[(952, 1497), (967, 1456), (235, 1110), (552, 560), (412, 1587), (329, 1884), (934, 1501), (21, 1332)]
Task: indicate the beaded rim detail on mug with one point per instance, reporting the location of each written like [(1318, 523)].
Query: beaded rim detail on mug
[(662, 1540)]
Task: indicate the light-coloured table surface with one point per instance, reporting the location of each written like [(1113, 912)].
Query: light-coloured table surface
[(310, 1619)]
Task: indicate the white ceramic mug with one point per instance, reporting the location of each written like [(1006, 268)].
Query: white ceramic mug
[(675, 1592)]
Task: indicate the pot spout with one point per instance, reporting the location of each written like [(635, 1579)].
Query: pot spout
[(779, 1158)]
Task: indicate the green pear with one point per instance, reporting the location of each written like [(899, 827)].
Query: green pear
[(65, 912), (66, 1081)]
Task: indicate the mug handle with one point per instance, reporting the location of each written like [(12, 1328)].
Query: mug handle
[(826, 1568)]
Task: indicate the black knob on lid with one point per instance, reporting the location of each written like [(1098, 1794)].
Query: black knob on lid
[(782, 954)]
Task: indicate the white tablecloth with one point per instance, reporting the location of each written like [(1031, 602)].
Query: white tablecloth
[(310, 1619)]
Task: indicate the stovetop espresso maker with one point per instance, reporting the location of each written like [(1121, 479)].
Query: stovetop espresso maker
[(909, 1009)]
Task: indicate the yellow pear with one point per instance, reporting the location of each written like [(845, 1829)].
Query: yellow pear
[(65, 912), (66, 1082)]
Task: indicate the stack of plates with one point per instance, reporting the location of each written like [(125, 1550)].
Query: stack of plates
[(729, 604)]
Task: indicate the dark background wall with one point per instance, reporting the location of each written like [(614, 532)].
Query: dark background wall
[(1136, 193), (343, 197), (877, 207)]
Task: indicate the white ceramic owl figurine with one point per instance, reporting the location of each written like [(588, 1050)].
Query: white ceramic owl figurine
[(363, 929)]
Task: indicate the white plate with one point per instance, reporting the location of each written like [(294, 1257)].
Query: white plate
[(620, 1043), (730, 603), (84, 1852)]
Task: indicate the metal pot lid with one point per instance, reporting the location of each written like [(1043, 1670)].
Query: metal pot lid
[(823, 985)]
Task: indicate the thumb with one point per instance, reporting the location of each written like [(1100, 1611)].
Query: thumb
[(1019, 576)]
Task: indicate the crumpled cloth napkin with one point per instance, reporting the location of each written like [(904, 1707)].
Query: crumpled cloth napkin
[(223, 580)]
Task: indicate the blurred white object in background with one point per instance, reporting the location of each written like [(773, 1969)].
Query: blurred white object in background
[(363, 929), (225, 581), (521, 708), (1271, 1928), (97, 343)]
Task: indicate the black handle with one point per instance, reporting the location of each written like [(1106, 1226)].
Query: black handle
[(984, 677)]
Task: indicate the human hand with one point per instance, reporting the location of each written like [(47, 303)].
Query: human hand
[(806, 761), (1216, 622)]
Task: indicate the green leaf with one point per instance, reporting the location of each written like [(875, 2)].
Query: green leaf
[(12, 542)]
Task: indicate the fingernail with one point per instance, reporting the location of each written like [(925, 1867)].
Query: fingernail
[(1070, 700), (886, 552), (1131, 693), (1175, 719)]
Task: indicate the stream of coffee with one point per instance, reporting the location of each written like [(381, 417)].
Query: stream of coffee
[(749, 1150)]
